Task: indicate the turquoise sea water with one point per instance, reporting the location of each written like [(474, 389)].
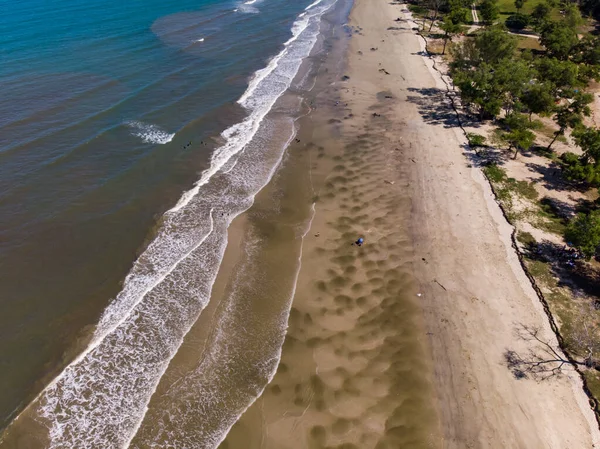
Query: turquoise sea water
[(109, 110)]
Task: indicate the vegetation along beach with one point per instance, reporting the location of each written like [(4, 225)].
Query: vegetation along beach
[(333, 224)]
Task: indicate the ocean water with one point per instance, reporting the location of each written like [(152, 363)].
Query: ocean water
[(131, 134)]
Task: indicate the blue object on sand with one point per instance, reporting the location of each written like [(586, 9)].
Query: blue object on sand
[(360, 240)]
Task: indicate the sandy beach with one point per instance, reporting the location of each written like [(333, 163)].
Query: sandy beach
[(401, 342)]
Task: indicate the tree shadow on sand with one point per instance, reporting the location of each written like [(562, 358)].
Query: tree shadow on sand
[(567, 266), (553, 177), (542, 360), (435, 108)]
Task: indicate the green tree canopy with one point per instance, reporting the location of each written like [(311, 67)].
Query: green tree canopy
[(495, 44), (450, 28), (573, 16), (541, 12), (519, 4), (489, 11), (538, 99), (518, 136), (588, 140), (584, 233), (559, 39), (570, 114), (563, 77)]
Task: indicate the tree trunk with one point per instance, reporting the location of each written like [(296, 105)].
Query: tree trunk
[(435, 14), (530, 114), (445, 42), (516, 152), (556, 134)]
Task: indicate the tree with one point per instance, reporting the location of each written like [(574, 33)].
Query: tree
[(488, 72), (519, 4), (489, 11), (584, 168), (435, 5), (573, 16), (563, 77), (494, 45), (570, 114), (576, 169), (588, 57), (538, 99), (517, 21), (588, 140), (583, 232), (511, 77), (541, 13), (450, 28), (518, 136), (559, 39)]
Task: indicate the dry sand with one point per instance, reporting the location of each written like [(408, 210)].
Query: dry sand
[(401, 343)]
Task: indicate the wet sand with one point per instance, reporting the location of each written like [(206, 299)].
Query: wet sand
[(401, 342)]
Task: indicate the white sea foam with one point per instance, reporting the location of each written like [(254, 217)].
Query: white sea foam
[(150, 133), (250, 2), (258, 102), (100, 399)]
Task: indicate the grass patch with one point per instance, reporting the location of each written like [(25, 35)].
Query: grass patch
[(558, 298), (507, 8), (528, 43), (544, 152), (540, 270), (593, 382), (494, 173), (526, 238), (418, 10), (551, 221), (548, 131), (523, 188), (505, 196)]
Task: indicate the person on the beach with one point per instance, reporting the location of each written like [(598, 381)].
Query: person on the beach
[(360, 241)]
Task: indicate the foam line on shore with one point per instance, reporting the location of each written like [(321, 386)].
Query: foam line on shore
[(239, 135)]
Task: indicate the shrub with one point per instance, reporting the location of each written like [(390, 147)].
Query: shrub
[(576, 169), (526, 238), (476, 140), (517, 21), (584, 233)]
